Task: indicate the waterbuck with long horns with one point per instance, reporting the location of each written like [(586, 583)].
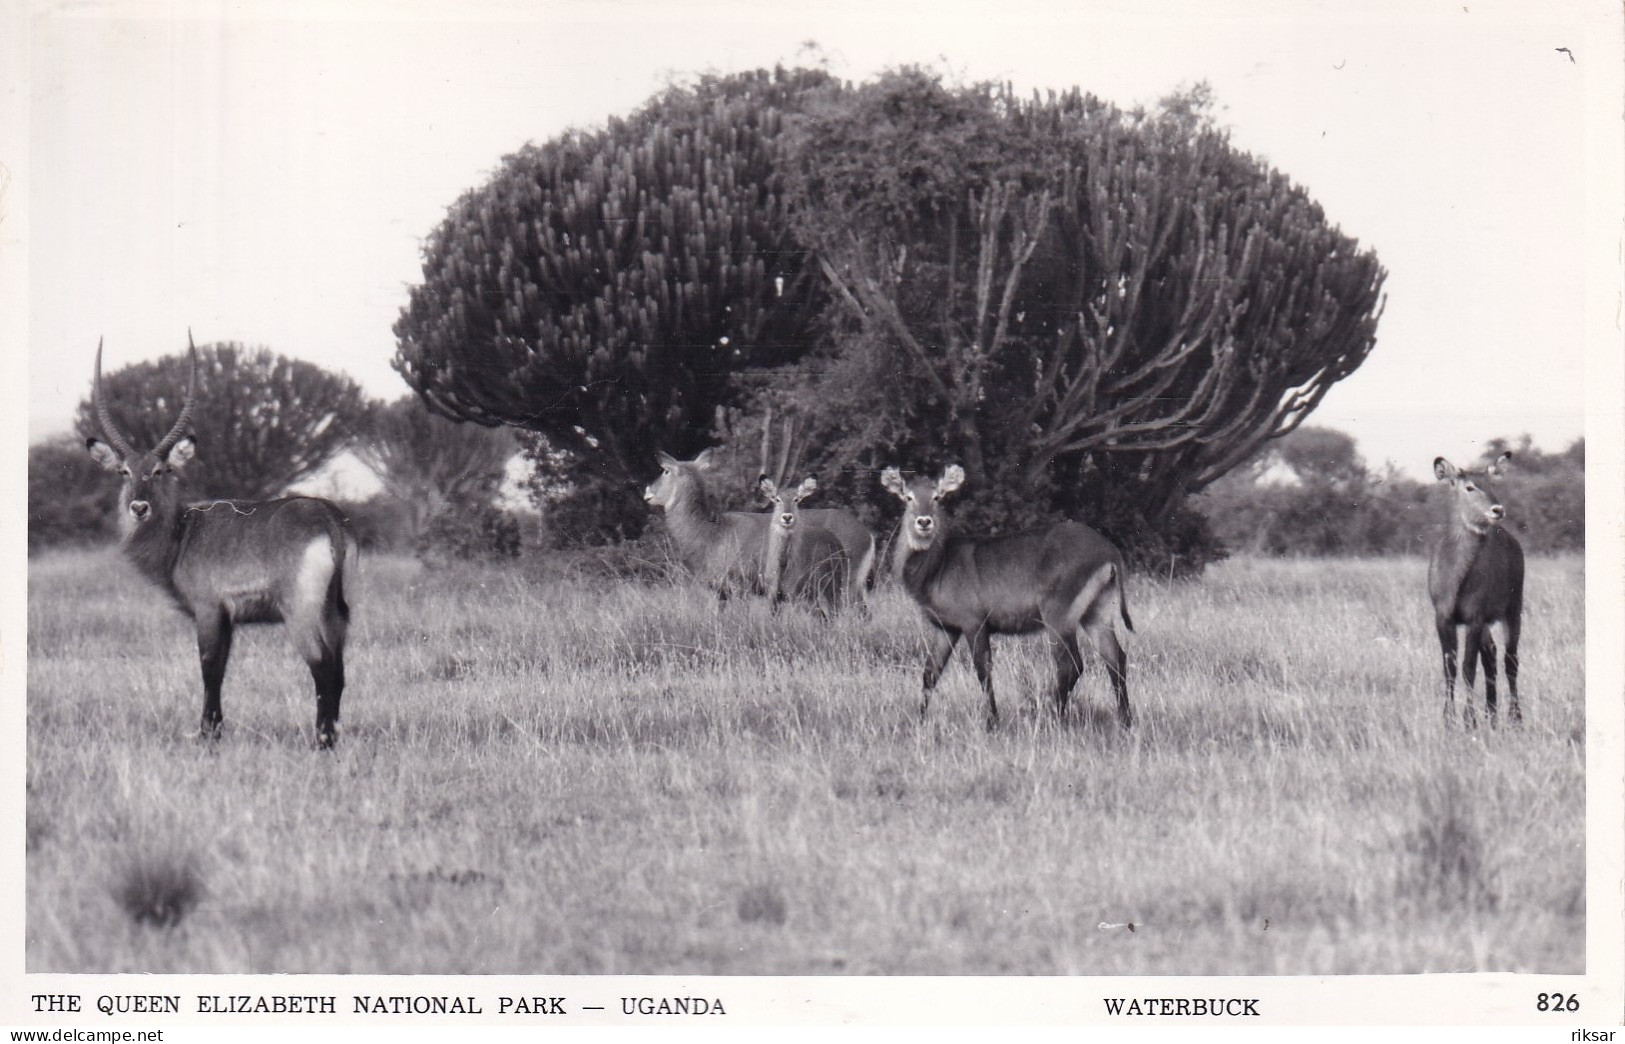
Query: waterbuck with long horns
[(726, 549), (1063, 579), (801, 560), (1475, 579), (229, 562)]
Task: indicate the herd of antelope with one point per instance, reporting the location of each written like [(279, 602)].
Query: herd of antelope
[(289, 561)]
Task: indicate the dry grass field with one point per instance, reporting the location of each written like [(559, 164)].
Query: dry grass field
[(547, 774)]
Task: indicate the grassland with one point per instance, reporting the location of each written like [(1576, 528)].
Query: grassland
[(546, 773)]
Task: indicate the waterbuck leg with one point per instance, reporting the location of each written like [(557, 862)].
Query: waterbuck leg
[(1068, 666), (319, 637), (214, 649), (981, 654), (1111, 651), (1447, 644), (328, 672), (1063, 639), (1514, 710), (1472, 647), (1486, 652), (943, 641)]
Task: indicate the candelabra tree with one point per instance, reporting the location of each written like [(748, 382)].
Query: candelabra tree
[(263, 421), (602, 289), (1096, 311)]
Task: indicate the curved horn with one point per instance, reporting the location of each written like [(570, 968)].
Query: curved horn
[(103, 416), (179, 427)]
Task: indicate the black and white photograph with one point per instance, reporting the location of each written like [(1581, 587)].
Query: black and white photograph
[(704, 515)]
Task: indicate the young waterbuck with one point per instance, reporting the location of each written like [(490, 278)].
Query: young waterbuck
[(856, 539), (727, 549), (227, 562), (1063, 579), (1476, 580), (802, 560)]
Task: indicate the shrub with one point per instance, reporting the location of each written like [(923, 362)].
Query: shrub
[(650, 559), (470, 533), (380, 524), (71, 500)]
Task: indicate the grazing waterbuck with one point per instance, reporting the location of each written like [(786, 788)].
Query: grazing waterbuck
[(225, 563), (801, 560), (1062, 579), (1475, 579), (726, 549)]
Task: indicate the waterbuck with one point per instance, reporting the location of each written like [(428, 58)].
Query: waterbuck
[(226, 562), (1060, 579), (726, 549), (1475, 579), (801, 560)]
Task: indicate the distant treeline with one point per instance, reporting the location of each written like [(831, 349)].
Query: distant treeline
[(1309, 493)]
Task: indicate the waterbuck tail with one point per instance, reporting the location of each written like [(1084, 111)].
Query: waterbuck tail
[(1122, 599), (1089, 604), (346, 565), (864, 576)]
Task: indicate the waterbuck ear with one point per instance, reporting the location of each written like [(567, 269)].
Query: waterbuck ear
[(704, 461), (766, 488), (667, 460), (183, 452), (104, 454), (1499, 468), (1444, 471), (953, 476), (892, 479), (808, 487)]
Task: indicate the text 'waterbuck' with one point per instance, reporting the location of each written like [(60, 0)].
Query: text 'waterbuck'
[(1064, 579), (802, 560), (227, 562), (726, 549), (1476, 581)]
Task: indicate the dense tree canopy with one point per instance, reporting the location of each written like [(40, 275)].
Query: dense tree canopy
[(70, 498), (603, 288), (262, 421), (1096, 311)]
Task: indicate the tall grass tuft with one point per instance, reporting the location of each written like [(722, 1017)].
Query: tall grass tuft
[(159, 890), (1447, 849), (763, 903)]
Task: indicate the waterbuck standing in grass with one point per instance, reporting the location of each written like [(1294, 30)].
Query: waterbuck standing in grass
[(230, 562), (1476, 580), (1063, 579), (726, 549), (801, 559)]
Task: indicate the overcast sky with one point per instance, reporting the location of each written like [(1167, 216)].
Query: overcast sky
[(271, 179)]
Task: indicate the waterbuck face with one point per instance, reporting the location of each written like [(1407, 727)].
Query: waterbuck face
[(922, 503), (659, 491), (151, 481), (1476, 505), (786, 503), (675, 476)]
